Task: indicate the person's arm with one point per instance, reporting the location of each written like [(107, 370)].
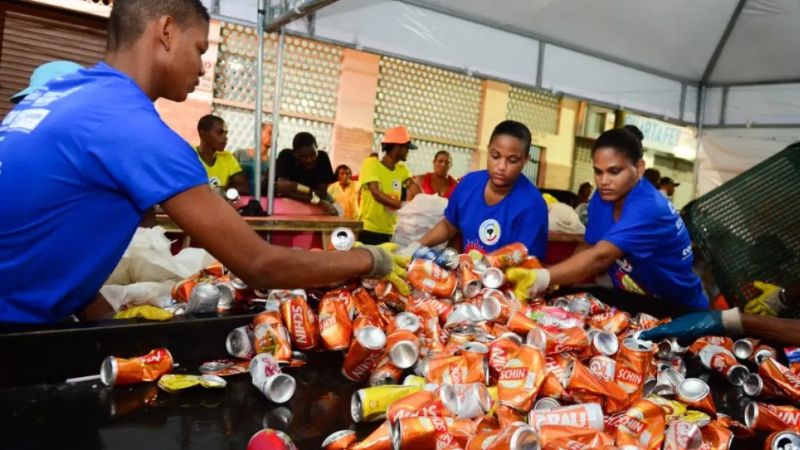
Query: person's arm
[(216, 227), (773, 329), (412, 189), (585, 264), (240, 182), (385, 200), (441, 232)]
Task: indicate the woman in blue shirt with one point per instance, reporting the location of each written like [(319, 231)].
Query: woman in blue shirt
[(634, 232), (495, 207)]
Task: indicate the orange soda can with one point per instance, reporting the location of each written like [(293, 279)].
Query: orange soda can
[(572, 339), (509, 256), (429, 433), (695, 393), (500, 351), (767, 417), (614, 321), (780, 377), (520, 323), (300, 322), (633, 360), (682, 435), (117, 371), (385, 373), (507, 415), (781, 440), (183, 290), (271, 336), (521, 378), (469, 281), (403, 347), (643, 425), (427, 276), (335, 326), (447, 369), (386, 292), (380, 439), (481, 439), (367, 306), (364, 354), (439, 403), (340, 440), (514, 437), (700, 343), (568, 437), (717, 435)]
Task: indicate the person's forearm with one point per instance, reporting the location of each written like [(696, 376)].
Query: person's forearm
[(772, 329), (578, 267), (441, 232), (289, 269), (386, 200)]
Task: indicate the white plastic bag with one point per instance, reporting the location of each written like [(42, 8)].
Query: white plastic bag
[(417, 217), (148, 270)]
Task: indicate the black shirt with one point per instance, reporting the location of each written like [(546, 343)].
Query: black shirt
[(286, 167)]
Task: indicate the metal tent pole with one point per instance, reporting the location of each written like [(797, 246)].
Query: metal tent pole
[(262, 17), (276, 119), (299, 10)]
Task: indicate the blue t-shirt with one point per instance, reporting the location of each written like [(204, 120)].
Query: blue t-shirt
[(657, 250), (81, 160), (520, 217)]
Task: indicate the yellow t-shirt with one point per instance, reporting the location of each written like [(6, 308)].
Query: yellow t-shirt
[(347, 198), (224, 167), (376, 217)]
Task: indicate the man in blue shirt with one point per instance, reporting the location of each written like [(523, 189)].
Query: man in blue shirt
[(634, 232), (496, 207), (83, 158)]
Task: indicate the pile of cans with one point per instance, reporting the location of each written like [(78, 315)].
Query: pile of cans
[(460, 363)]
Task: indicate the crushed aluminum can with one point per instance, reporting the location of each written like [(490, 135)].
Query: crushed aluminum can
[(173, 383), (696, 394), (278, 388), (682, 435), (493, 278), (783, 440), (546, 403), (340, 440), (240, 342), (215, 365), (753, 385), (343, 238), (605, 343), (408, 321), (448, 258), (204, 298)]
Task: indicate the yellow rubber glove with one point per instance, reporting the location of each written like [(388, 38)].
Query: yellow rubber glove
[(768, 303), (398, 274), (528, 283), (147, 312)]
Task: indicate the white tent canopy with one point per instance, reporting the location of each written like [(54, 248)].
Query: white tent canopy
[(652, 56)]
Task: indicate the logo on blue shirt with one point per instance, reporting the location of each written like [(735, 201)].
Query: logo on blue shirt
[(489, 232)]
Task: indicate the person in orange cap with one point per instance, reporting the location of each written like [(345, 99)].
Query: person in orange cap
[(382, 182)]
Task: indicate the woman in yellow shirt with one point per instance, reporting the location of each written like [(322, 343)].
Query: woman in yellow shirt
[(345, 192)]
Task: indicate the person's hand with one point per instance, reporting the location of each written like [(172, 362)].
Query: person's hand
[(768, 303), (695, 325), (389, 265), (528, 283)]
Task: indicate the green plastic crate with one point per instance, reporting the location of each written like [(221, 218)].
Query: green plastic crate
[(749, 228)]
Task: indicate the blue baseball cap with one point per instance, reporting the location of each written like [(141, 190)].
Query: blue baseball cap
[(43, 74)]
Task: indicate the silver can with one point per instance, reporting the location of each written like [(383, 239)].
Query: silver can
[(278, 388), (605, 343), (404, 354), (753, 385), (743, 348), (239, 342), (343, 238), (493, 278), (546, 403), (692, 390), (203, 299), (537, 338), (263, 366), (408, 321), (449, 257), (473, 400), (784, 440)]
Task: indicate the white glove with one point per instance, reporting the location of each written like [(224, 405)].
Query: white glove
[(409, 249)]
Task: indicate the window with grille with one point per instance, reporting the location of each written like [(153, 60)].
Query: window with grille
[(533, 166)]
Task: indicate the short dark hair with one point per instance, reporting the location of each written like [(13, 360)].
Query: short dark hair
[(652, 175), (440, 153), (340, 167), (585, 185), (206, 122), (626, 140), (514, 129), (303, 139), (129, 18)]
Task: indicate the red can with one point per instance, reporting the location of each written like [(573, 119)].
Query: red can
[(367, 306), (335, 327), (268, 439), (117, 371), (427, 276), (766, 417), (500, 350), (781, 377), (364, 354), (300, 322)]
